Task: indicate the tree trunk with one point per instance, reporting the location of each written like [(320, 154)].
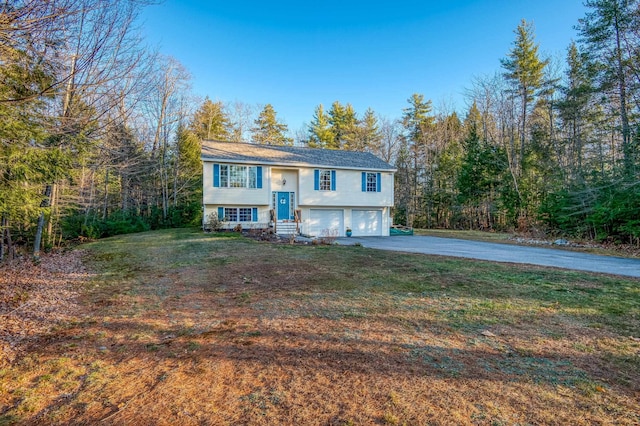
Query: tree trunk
[(52, 216), (164, 179), (89, 206), (523, 130), (6, 233), (165, 192), (106, 196), (38, 238), (627, 155), (176, 170), (3, 227)]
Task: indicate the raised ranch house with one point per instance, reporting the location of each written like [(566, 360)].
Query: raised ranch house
[(309, 191)]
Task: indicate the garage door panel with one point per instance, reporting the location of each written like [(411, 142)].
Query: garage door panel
[(321, 220), (366, 222)]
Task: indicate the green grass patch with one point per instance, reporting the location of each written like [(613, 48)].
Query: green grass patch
[(471, 293), (492, 237)]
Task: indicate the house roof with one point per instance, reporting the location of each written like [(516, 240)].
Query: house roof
[(290, 156)]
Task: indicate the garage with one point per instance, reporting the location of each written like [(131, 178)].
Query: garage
[(326, 220), (366, 223)]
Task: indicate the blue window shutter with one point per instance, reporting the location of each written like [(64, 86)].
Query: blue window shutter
[(316, 179), (216, 175), (364, 181), (220, 213), (333, 180), (259, 177), (254, 214), (378, 182)]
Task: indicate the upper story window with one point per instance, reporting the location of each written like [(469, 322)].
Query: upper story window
[(236, 176), (324, 180), (371, 182)]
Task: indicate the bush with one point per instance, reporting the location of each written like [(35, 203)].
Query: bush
[(75, 223), (185, 215), (606, 211), (74, 226), (328, 236), (213, 223), (129, 225)]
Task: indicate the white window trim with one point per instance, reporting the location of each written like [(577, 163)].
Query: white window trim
[(372, 183), (325, 180), (236, 212), (249, 176)]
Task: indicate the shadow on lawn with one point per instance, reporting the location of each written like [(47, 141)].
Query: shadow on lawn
[(243, 343), (157, 351)]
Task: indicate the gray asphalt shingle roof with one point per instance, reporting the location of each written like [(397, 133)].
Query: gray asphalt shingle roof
[(290, 156)]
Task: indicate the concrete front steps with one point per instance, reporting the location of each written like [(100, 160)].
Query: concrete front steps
[(286, 228)]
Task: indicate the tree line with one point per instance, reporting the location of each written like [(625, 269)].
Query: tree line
[(101, 135), (547, 146)]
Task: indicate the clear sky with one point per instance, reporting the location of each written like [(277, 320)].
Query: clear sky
[(298, 54)]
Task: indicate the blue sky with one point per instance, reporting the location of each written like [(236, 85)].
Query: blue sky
[(298, 54)]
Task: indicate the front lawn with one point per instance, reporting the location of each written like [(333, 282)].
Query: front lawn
[(177, 327)]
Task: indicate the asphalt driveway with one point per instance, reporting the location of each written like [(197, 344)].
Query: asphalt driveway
[(501, 253)]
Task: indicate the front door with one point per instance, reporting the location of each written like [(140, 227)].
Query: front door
[(283, 206)]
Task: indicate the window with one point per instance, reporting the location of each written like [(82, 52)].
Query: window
[(292, 204), (238, 214), (371, 182), (253, 177), (234, 176), (237, 176), (230, 215), (324, 180), (224, 176), (244, 215)]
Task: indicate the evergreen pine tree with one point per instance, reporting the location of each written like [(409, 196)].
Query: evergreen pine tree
[(344, 123), (367, 136), (481, 178), (610, 32), (525, 70), (320, 134), (417, 123), (575, 108), (211, 121), (268, 131)]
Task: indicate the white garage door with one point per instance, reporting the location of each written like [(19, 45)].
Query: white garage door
[(366, 222), (329, 222)]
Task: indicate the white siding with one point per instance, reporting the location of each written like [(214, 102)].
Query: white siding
[(234, 196), (283, 180), (348, 191)]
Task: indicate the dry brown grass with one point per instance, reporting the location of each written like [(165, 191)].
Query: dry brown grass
[(179, 328)]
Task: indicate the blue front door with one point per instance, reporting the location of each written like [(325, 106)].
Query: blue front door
[(283, 206)]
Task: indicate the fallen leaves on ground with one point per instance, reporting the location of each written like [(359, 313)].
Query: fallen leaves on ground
[(36, 297)]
